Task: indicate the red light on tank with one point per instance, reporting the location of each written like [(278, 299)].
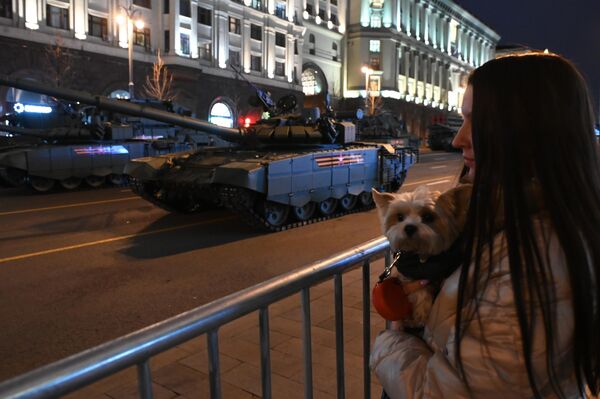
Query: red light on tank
[(247, 122)]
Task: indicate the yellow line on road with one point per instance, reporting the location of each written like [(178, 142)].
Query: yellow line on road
[(49, 208), (438, 179), (108, 240)]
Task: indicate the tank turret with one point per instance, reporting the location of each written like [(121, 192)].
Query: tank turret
[(284, 171)]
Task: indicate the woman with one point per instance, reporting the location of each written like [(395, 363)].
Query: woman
[(521, 317)]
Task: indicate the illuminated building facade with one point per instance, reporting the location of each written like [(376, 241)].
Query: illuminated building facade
[(418, 54), (198, 40)]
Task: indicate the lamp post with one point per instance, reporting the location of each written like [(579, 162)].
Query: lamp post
[(127, 16)]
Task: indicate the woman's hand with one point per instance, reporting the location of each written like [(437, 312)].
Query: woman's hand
[(409, 287)]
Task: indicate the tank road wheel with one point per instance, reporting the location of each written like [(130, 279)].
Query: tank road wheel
[(348, 202), (94, 181), (276, 214), (41, 184), (365, 198), (327, 207), (305, 212), (117, 179), (70, 183)]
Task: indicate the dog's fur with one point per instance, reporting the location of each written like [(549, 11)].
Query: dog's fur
[(425, 222)]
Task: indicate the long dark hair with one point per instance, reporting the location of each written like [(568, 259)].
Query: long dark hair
[(532, 131)]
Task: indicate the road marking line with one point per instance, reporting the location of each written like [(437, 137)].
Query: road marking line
[(428, 181), (108, 240), (68, 206), (438, 167), (438, 182)]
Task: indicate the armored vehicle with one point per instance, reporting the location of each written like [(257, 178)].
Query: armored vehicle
[(283, 172), (66, 143), (441, 134)]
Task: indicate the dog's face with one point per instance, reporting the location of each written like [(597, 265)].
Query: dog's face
[(423, 221)]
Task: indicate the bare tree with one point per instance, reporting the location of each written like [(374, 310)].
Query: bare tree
[(158, 85), (59, 63), (374, 105)]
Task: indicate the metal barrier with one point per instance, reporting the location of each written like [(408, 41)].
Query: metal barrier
[(137, 348)]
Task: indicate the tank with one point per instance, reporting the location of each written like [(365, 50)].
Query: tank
[(66, 143), (282, 172), (441, 134), (385, 128)]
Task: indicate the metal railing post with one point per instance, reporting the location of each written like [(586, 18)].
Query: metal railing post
[(265, 353), (144, 380), (366, 288), (214, 370), (339, 336), (307, 344)]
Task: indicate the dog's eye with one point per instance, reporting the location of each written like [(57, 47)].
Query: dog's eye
[(400, 217), (427, 217)]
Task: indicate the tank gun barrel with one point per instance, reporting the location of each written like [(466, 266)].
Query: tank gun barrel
[(101, 102)]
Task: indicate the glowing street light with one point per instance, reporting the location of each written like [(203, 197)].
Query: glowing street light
[(367, 71), (128, 16)]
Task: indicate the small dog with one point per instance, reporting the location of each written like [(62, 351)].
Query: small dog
[(425, 222)]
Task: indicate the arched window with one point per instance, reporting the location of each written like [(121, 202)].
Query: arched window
[(311, 38), (334, 46), (221, 114), (120, 94), (312, 82)]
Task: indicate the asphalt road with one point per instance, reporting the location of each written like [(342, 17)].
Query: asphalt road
[(80, 268)]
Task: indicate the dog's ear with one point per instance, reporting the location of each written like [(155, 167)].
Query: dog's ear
[(454, 203), (382, 200)]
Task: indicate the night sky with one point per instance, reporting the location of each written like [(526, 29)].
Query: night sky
[(570, 28)]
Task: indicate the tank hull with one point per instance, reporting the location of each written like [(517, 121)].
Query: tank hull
[(275, 189)]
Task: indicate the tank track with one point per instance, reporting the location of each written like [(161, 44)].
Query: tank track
[(139, 188), (237, 199)]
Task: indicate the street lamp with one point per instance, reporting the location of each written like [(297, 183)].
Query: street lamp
[(128, 16)]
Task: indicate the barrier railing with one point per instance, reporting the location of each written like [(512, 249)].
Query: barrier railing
[(137, 348)]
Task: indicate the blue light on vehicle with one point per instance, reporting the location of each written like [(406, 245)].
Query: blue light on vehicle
[(101, 150), (34, 109)]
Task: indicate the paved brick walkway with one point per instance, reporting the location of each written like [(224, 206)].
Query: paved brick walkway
[(182, 372)]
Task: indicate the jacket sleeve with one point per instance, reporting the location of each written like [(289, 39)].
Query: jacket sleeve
[(407, 367)]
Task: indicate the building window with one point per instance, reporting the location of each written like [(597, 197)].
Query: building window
[(309, 9), (141, 37), (375, 20), (255, 63), (279, 69), (57, 17), (255, 32), (279, 39), (334, 19), (280, 10), (205, 51), (204, 16), (143, 3), (378, 4), (98, 27), (333, 2), (375, 46), (296, 47), (257, 4), (6, 8), (185, 8), (322, 14), (166, 6), (334, 47), (235, 25), (184, 43), (221, 115), (311, 40), (311, 82), (234, 58), (167, 42), (375, 62)]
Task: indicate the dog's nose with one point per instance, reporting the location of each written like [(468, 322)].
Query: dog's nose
[(410, 229)]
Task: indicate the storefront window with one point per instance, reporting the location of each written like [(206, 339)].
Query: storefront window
[(221, 115), (311, 82)]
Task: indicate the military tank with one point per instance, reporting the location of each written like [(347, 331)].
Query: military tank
[(66, 143), (285, 171)]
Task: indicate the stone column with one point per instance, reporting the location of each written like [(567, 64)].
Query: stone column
[(246, 47), (299, 61), (471, 48), (418, 21), (448, 43), (386, 19), (31, 14), (269, 51), (289, 57), (427, 18), (221, 42), (290, 10), (194, 34), (80, 19)]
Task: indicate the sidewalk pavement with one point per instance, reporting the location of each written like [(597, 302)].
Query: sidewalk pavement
[(182, 372)]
